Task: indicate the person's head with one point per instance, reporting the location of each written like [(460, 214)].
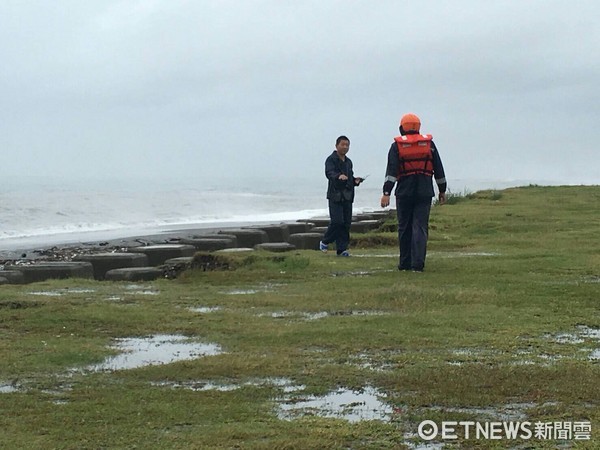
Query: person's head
[(410, 124), (342, 145)]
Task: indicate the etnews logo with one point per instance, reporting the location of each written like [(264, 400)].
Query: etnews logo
[(448, 430)]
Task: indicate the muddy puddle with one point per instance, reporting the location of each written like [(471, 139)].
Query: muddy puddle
[(154, 350), (351, 405)]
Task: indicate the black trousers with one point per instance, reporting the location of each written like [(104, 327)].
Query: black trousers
[(338, 231), (413, 228)]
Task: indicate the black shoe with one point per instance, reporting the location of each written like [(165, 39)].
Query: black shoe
[(404, 269)]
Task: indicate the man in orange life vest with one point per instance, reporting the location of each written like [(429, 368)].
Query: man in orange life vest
[(413, 160)]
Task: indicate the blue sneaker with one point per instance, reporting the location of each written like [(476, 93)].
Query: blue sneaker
[(323, 247), (344, 253)]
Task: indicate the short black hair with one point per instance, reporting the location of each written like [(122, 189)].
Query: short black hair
[(341, 138)]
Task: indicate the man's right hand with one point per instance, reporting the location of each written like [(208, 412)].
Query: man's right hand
[(385, 201), (343, 177)]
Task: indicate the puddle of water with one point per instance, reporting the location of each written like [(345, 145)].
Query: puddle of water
[(568, 338), (140, 289), (205, 309), (8, 388), (420, 445), (364, 361), (252, 290), (284, 384), (590, 333), (240, 292), (582, 334), (461, 254), (319, 315), (357, 273), (46, 293), (353, 406), (511, 411), (387, 255), (591, 279), (61, 292), (154, 350), (433, 254)]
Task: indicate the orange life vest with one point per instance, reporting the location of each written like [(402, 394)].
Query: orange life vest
[(414, 151)]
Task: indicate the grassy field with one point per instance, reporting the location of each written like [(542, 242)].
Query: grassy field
[(314, 351)]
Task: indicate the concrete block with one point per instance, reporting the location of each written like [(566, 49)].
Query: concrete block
[(248, 238), (275, 232), (275, 247), (362, 226), (305, 241), (318, 221), (56, 270), (158, 254), (299, 227), (134, 274), (208, 244), (320, 230), (103, 262), (12, 276), (184, 260), (235, 250), (223, 235)]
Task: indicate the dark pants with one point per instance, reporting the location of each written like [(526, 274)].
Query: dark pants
[(338, 230), (413, 225)]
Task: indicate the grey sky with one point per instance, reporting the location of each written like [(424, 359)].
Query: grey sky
[(224, 89)]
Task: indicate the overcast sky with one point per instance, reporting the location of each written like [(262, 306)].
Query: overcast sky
[(211, 90)]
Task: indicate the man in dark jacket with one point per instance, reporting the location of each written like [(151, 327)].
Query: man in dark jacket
[(413, 161), (340, 193)]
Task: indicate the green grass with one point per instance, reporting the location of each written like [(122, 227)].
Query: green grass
[(507, 273)]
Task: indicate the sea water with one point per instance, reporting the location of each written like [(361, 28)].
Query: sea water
[(36, 212)]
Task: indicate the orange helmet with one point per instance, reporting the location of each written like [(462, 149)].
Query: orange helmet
[(410, 122)]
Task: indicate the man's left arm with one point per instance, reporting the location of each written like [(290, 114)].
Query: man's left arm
[(438, 172)]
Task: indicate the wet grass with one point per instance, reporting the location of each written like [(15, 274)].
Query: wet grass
[(479, 336)]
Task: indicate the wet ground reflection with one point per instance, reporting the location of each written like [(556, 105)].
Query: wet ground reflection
[(154, 350), (351, 405)]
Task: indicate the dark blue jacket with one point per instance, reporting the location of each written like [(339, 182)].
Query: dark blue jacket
[(338, 190)]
